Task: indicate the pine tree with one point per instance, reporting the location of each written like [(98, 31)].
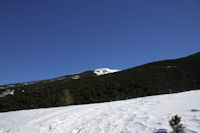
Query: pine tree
[(175, 123)]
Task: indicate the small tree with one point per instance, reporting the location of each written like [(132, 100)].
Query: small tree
[(175, 124)]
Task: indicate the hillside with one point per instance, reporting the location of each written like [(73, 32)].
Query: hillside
[(155, 78), (141, 115)]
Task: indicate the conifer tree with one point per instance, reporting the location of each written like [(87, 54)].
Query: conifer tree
[(175, 124)]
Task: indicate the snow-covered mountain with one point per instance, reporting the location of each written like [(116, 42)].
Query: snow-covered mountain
[(141, 115)]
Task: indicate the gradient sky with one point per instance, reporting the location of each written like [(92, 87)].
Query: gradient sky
[(41, 39)]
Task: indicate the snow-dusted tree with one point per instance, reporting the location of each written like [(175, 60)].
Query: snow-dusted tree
[(175, 124)]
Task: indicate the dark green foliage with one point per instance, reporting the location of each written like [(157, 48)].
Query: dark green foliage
[(175, 123), (161, 77)]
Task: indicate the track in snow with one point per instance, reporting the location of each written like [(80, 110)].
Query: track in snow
[(140, 115)]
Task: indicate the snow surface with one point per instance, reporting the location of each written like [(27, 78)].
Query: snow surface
[(141, 115), (102, 71)]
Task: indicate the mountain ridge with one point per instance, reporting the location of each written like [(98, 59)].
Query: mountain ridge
[(115, 70)]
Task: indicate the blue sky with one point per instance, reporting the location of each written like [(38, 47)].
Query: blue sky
[(41, 39)]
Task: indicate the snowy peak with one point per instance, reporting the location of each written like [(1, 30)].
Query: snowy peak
[(102, 71)]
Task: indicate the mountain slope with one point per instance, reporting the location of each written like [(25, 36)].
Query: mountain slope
[(155, 78), (140, 115), (97, 72)]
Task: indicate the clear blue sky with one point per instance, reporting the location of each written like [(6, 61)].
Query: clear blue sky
[(41, 39)]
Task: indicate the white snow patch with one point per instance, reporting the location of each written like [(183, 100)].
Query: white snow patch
[(11, 85), (2, 87), (29, 83), (75, 77), (7, 92), (102, 71), (141, 115)]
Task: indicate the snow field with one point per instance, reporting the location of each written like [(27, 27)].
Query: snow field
[(141, 115)]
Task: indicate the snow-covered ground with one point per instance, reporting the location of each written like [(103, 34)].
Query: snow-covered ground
[(140, 115)]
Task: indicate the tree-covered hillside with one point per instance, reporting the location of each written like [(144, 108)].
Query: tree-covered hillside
[(161, 77)]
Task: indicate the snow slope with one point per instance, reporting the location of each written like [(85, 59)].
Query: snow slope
[(141, 115), (102, 71)]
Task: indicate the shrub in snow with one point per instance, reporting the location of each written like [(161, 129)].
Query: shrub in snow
[(175, 124)]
